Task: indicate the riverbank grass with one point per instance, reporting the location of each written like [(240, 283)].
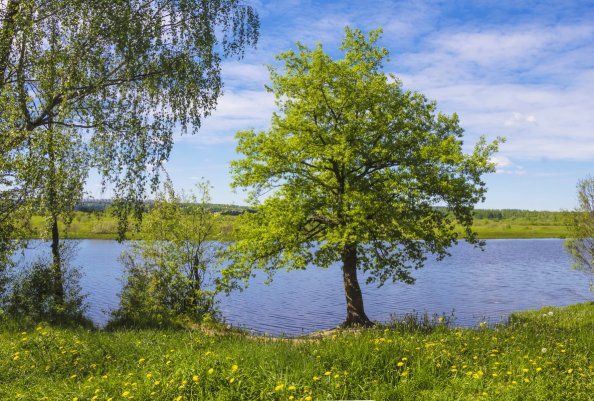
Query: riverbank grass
[(540, 355)]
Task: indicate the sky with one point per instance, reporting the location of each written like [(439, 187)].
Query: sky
[(523, 70)]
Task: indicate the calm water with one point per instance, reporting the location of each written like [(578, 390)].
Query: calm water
[(510, 275)]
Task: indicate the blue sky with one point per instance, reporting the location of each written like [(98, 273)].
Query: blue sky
[(519, 69)]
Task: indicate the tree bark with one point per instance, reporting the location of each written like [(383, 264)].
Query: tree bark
[(58, 284), (354, 298), (58, 276)]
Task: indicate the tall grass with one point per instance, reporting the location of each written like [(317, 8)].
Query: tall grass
[(541, 355)]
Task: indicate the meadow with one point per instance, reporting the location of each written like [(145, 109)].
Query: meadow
[(546, 354), (488, 224)]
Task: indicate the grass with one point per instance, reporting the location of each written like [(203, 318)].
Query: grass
[(540, 355), (101, 225), (513, 224)]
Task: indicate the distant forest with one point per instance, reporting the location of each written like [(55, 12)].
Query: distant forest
[(99, 205)]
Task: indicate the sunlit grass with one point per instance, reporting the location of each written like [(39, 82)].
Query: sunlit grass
[(541, 355), (104, 226)]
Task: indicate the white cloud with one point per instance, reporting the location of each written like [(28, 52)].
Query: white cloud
[(236, 74), (519, 119), (237, 110), (501, 161), (531, 84)]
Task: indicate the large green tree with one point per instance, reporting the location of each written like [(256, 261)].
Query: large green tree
[(580, 243), (104, 83), (354, 169)]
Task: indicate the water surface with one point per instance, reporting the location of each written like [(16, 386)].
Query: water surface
[(509, 275)]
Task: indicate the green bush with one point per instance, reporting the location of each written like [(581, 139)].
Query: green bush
[(30, 295)]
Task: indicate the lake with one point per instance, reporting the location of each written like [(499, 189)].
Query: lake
[(509, 275)]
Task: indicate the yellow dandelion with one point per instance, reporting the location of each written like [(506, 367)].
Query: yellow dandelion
[(308, 398), (291, 388), (279, 387), (210, 371), (231, 380), (328, 373), (234, 368), (316, 378), (400, 364), (195, 378), (125, 393)]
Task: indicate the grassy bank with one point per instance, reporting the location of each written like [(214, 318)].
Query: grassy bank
[(542, 355), (101, 225), (488, 224)]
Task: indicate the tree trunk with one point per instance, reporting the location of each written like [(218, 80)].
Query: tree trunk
[(58, 284), (354, 298), (58, 276)]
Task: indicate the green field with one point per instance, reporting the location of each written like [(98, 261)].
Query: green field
[(101, 225), (488, 224), (541, 355)]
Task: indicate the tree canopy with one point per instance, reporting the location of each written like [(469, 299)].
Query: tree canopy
[(122, 75), (352, 170)]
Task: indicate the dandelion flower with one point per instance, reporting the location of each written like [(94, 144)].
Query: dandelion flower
[(210, 371), (234, 368), (195, 378), (291, 388), (279, 387)]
